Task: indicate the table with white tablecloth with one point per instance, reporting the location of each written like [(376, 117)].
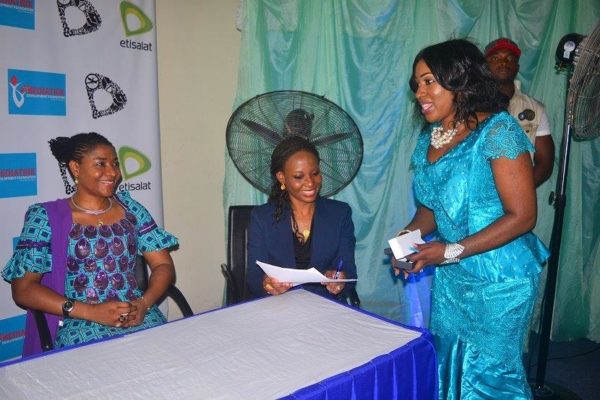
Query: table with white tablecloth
[(297, 345)]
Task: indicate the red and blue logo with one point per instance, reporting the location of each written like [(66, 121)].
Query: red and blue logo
[(36, 93), (12, 335), (18, 13), (18, 175)]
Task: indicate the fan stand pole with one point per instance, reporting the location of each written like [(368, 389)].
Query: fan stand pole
[(541, 389)]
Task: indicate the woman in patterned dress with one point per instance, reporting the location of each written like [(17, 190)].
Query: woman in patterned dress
[(75, 258), (473, 181)]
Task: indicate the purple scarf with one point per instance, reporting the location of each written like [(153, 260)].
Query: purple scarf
[(60, 221)]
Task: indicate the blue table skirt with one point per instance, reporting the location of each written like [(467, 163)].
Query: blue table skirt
[(409, 372)]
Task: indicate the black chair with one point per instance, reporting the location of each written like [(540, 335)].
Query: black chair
[(237, 250), (141, 276)]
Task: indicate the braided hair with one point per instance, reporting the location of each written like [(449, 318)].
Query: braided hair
[(74, 148), (282, 152)]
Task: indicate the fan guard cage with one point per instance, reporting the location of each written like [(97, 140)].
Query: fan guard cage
[(584, 88), (259, 124)]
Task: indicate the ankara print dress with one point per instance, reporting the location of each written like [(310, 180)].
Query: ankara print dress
[(100, 264)]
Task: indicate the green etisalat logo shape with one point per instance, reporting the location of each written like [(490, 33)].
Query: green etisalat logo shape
[(128, 8), (142, 161)]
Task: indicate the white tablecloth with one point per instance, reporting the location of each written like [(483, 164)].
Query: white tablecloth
[(262, 349)]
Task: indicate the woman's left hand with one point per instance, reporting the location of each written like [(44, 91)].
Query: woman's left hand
[(136, 317), (332, 287)]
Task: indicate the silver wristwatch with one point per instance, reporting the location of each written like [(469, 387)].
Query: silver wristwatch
[(67, 307), (451, 253)]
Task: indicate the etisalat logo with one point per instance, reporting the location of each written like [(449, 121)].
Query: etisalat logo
[(135, 21), (133, 16), (144, 23), (133, 163), (95, 82), (91, 16), (36, 93)]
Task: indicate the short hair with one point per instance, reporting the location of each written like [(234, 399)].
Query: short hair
[(460, 67)]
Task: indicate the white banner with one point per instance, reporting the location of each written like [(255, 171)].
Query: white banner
[(72, 66)]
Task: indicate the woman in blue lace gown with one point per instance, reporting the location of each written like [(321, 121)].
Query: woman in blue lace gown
[(76, 257), (473, 181)]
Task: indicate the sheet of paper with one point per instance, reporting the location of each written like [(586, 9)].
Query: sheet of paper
[(402, 245), (297, 276)]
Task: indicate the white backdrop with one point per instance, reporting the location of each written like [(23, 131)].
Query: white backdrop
[(71, 66)]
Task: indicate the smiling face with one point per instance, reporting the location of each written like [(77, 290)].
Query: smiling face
[(98, 172), (437, 103), (301, 176), (504, 65)]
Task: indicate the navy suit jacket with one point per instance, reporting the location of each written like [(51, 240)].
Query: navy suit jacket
[(269, 241)]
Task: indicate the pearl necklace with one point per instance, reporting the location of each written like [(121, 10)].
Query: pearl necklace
[(93, 212), (441, 136)]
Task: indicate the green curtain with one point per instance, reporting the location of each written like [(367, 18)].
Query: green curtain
[(358, 54)]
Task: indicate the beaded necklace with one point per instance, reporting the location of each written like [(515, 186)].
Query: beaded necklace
[(441, 136)]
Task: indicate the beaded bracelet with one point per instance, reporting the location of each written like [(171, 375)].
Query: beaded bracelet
[(144, 303), (451, 253)]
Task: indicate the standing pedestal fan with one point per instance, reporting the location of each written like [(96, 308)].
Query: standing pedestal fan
[(580, 57), (259, 124)]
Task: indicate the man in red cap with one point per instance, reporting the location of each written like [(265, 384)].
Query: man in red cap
[(502, 56)]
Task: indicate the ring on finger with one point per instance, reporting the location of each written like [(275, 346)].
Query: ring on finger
[(123, 317)]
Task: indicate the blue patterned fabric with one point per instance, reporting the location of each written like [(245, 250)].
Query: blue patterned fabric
[(100, 264), (32, 253), (480, 306)]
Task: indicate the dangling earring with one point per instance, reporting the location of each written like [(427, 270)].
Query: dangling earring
[(76, 181), (282, 186)]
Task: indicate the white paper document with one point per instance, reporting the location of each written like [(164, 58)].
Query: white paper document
[(297, 276), (402, 245)]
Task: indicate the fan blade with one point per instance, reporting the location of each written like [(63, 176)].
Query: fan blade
[(263, 131), (330, 139)]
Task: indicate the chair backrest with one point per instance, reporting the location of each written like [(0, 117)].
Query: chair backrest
[(141, 277), (237, 244)]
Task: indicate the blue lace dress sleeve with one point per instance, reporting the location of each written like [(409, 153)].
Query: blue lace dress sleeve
[(505, 138), (32, 253)]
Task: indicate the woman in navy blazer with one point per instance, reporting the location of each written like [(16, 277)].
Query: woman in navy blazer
[(297, 228)]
